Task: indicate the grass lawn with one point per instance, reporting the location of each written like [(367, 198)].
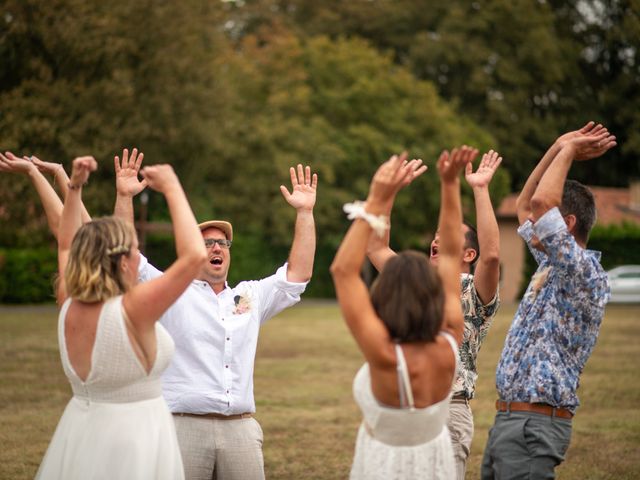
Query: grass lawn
[(305, 366)]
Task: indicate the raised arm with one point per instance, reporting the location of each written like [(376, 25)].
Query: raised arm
[(303, 199), (378, 250), (368, 330), (146, 302), (56, 170), (450, 226), (128, 185), (487, 271), (71, 219), (548, 194), (523, 206), (50, 201)]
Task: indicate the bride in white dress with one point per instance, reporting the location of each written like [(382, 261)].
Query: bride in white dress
[(117, 425), (408, 329)]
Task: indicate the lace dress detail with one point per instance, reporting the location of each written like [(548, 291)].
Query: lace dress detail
[(117, 425), (401, 443)]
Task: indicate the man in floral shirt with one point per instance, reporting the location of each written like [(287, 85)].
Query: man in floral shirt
[(558, 320), (479, 296)]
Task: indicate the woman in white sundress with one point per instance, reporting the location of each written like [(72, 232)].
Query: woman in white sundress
[(117, 425), (408, 329)]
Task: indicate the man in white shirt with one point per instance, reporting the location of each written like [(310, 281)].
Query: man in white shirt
[(209, 384)]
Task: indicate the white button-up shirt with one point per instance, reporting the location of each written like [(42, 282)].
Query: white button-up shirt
[(216, 337)]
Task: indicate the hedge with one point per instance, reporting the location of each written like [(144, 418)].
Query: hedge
[(27, 275)]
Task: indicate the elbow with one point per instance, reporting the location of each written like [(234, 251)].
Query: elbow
[(540, 204), (490, 259), (339, 270), (196, 259)]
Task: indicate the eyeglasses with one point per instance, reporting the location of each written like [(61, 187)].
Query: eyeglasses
[(223, 242)]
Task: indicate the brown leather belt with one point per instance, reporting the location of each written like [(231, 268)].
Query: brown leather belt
[(216, 416), (543, 408)]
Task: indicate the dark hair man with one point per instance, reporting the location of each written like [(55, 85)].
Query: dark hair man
[(558, 320)]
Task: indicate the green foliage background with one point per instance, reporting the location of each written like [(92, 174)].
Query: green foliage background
[(233, 93)]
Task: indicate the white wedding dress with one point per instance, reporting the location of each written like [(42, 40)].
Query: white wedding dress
[(401, 443), (117, 425)]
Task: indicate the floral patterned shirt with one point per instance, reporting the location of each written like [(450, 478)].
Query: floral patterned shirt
[(558, 320), (477, 320)]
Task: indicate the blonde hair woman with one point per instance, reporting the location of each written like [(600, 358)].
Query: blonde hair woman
[(117, 425), (408, 329)]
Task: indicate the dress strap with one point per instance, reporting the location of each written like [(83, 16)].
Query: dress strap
[(452, 342), (404, 384)]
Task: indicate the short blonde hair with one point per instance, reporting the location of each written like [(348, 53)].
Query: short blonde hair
[(93, 271)]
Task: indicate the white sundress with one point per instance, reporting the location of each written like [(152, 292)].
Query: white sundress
[(401, 443), (117, 425)]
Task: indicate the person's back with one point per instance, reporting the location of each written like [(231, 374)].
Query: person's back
[(405, 440), (113, 352), (413, 311), (114, 422)]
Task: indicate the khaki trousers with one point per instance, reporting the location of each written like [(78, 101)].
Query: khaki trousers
[(460, 426), (214, 449)]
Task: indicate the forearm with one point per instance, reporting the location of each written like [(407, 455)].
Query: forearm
[(549, 191), (188, 239), (378, 250), (523, 203), (352, 250), (123, 208), (70, 220), (450, 219), (50, 201), (487, 272), (62, 179), (303, 248)]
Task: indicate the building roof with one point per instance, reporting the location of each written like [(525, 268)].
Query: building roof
[(614, 206)]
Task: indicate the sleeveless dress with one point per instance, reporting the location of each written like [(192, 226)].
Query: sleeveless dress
[(401, 443), (117, 425)]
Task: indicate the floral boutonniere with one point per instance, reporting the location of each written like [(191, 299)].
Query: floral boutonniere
[(243, 305), (538, 280)]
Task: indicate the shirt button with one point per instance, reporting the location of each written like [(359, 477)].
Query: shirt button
[(227, 391), (226, 366), (228, 338)]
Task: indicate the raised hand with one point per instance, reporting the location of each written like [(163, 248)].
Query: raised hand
[(487, 168), (390, 177), (50, 168), (127, 182), (303, 186), (592, 145), (81, 169), (416, 167), (591, 141), (12, 164), (450, 164), (160, 178)]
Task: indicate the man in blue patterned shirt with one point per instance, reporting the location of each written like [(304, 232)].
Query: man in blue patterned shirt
[(558, 320), (479, 295)]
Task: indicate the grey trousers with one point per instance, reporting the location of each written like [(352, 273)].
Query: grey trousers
[(215, 449), (525, 445), (460, 426)]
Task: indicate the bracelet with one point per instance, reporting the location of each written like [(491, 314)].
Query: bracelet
[(76, 187), (379, 223)]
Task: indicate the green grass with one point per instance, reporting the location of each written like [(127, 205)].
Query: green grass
[(305, 366)]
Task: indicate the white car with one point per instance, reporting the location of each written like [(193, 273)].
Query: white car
[(625, 284)]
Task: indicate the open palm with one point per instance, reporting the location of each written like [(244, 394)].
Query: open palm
[(127, 181), (487, 168), (303, 186)]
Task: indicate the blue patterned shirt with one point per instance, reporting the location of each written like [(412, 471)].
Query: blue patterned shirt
[(558, 320)]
